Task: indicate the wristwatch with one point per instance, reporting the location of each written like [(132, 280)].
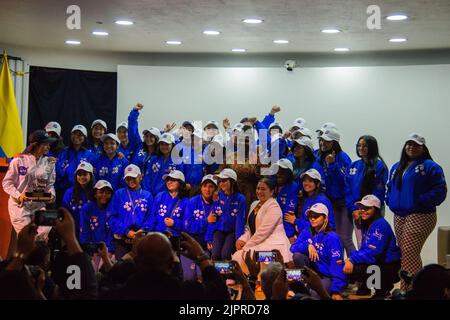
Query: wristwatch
[(201, 258)]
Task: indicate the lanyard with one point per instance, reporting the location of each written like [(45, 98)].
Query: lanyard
[(133, 205)]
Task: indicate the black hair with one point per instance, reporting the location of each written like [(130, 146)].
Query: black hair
[(37, 255), (183, 192), (336, 147), (57, 146), (84, 145), (309, 154), (430, 283), (271, 183), (94, 190), (365, 224), (234, 187), (403, 164), (78, 189), (317, 183), (290, 175), (158, 149), (368, 182), (244, 120)]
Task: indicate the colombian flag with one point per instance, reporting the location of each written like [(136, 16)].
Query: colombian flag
[(11, 138)]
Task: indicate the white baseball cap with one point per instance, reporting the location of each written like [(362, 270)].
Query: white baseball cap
[(370, 201), (327, 125), (167, 138), (154, 131), (319, 208), (218, 139), (331, 135), (304, 131), (85, 166), (276, 124), (312, 173), (80, 128), (175, 174), (100, 122), (300, 121), (110, 136), (305, 141), (53, 126), (416, 137), (103, 184), (285, 164), (212, 122), (132, 170), (209, 177), (227, 174), (123, 124), (238, 127)]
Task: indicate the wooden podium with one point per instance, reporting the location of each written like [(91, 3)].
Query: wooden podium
[(5, 222)]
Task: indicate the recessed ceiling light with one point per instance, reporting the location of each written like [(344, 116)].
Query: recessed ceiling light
[(238, 50), (398, 40), (280, 41), (74, 42), (397, 17), (100, 33), (173, 42), (211, 32), (330, 30), (252, 20), (341, 49), (124, 22)]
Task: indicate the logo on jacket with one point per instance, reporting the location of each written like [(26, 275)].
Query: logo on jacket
[(198, 214), (23, 170), (234, 212), (156, 167), (352, 171), (377, 234), (103, 171), (219, 211), (93, 222), (335, 253), (116, 169), (420, 169)]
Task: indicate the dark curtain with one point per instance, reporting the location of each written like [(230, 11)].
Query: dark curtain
[(71, 97)]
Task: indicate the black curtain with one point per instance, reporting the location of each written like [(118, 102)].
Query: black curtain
[(71, 97)]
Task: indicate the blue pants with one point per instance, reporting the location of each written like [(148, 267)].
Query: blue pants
[(223, 245), (300, 261)]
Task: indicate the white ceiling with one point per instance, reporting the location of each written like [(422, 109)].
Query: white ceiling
[(42, 23)]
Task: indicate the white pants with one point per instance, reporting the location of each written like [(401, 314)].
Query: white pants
[(22, 216)]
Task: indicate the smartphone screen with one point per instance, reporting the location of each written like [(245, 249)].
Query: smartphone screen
[(266, 256), (47, 217), (294, 275), (223, 267)]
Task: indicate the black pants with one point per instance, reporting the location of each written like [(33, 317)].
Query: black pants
[(389, 275)]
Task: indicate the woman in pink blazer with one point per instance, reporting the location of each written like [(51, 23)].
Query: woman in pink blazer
[(264, 230)]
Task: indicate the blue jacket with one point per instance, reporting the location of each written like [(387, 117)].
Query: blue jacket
[(164, 207), (378, 245), (96, 149), (331, 256), (354, 179), (288, 201), (67, 164), (134, 139), (423, 189), (128, 210), (194, 167), (231, 215), (302, 223), (196, 215), (156, 168), (74, 208), (334, 175), (110, 170), (141, 158), (94, 226)]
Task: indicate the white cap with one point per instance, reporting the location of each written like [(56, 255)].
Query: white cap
[(212, 122), (209, 177), (370, 201), (276, 124), (227, 174), (305, 141), (102, 184), (80, 128), (100, 122), (111, 136), (304, 131), (331, 135), (327, 125), (238, 126), (285, 164), (218, 139), (300, 121), (313, 174), (53, 126), (319, 208), (85, 166), (122, 124), (154, 131), (175, 174), (132, 170), (167, 138), (417, 138)]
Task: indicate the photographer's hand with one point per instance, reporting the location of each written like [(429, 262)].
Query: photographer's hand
[(66, 229)]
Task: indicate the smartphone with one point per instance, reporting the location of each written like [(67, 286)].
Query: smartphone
[(175, 241), (294, 275), (266, 256), (91, 247), (224, 267), (47, 217)]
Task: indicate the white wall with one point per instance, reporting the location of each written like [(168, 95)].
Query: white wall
[(387, 102)]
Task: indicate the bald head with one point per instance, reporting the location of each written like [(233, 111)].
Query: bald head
[(154, 252)]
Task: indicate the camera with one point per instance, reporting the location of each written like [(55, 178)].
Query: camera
[(224, 267), (294, 275), (47, 217), (266, 256), (91, 247), (290, 65)]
